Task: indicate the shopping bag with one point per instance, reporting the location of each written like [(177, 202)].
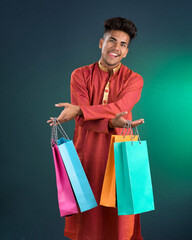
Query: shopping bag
[(108, 192), (66, 199), (133, 178), (76, 174)]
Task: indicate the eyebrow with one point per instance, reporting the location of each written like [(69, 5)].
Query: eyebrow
[(116, 40)]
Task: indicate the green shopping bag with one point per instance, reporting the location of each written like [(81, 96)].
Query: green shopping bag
[(133, 178)]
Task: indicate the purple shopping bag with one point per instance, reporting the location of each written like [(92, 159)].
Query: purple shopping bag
[(66, 199)]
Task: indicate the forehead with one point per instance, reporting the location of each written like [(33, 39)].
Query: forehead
[(119, 35)]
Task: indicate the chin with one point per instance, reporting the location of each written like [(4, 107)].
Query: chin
[(113, 64)]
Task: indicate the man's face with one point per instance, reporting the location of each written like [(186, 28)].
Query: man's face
[(114, 47)]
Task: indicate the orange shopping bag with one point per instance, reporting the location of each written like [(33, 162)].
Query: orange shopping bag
[(108, 193)]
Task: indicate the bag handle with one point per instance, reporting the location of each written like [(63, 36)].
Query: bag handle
[(127, 125), (54, 133)]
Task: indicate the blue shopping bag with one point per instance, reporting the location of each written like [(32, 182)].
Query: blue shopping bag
[(78, 179), (133, 178), (75, 171)]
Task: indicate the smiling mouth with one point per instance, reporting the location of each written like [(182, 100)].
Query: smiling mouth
[(113, 55)]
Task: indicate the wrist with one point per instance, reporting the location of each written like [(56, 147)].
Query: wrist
[(110, 124), (79, 111)]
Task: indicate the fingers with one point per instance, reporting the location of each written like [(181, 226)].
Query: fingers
[(137, 122), (141, 121), (61, 104), (123, 113), (118, 115), (50, 122)]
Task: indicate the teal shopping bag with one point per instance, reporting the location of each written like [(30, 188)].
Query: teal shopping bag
[(133, 178)]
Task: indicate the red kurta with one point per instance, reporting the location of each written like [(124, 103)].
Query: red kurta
[(92, 139)]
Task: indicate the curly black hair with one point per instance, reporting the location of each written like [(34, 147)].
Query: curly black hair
[(121, 24)]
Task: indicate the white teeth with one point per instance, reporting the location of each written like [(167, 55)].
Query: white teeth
[(114, 54)]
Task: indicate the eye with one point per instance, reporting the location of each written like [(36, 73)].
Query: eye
[(123, 45), (111, 40)]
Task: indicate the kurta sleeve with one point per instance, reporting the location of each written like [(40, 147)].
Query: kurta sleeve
[(127, 98), (80, 96)]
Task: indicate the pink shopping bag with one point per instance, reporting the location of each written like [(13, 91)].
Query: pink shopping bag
[(66, 199)]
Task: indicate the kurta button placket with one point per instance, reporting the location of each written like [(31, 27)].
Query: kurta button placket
[(106, 90), (106, 93)]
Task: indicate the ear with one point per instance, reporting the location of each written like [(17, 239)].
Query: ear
[(126, 52), (101, 43)]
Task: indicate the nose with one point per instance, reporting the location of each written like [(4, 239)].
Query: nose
[(117, 46)]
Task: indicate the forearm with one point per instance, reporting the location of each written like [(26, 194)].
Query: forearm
[(109, 111)]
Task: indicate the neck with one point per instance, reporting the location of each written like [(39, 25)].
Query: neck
[(110, 69)]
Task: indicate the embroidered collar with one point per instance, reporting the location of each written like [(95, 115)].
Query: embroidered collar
[(106, 70)]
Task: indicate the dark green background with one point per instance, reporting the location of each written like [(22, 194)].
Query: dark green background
[(42, 42)]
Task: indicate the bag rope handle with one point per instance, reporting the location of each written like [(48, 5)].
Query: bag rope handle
[(54, 133), (127, 125)]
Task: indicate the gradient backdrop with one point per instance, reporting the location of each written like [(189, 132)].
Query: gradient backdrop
[(42, 42)]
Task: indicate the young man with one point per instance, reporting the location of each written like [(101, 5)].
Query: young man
[(102, 97)]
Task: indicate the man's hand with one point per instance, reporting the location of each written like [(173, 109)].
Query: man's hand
[(119, 121), (70, 112)]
